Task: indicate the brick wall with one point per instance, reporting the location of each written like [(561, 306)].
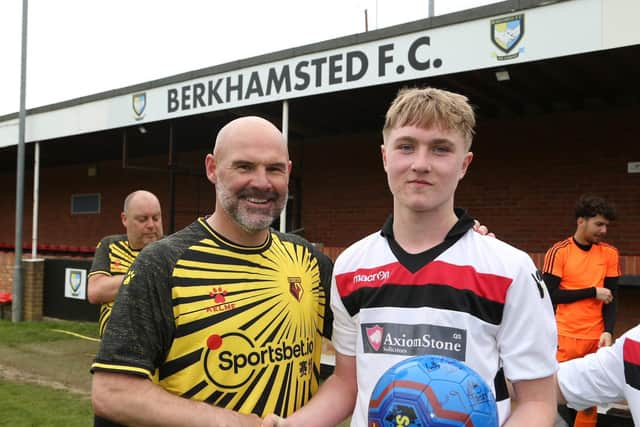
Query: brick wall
[(33, 298), (345, 195), (58, 226), (7, 259), (33, 285), (522, 184)]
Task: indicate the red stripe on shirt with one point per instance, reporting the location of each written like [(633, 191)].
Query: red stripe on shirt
[(631, 351), (463, 277)]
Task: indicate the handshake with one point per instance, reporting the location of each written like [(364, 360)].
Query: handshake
[(273, 420)]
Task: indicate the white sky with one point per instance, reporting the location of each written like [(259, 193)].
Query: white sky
[(81, 47)]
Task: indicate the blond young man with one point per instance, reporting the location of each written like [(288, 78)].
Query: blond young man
[(427, 274)]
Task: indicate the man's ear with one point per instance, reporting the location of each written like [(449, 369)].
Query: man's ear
[(210, 168), (383, 151), (123, 218), (468, 158)]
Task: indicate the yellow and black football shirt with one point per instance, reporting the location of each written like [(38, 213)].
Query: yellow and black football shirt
[(238, 327), (113, 256)]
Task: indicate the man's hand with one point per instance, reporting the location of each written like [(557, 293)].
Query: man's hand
[(605, 340), (250, 420), (604, 295), (482, 229), (272, 420), (103, 288)]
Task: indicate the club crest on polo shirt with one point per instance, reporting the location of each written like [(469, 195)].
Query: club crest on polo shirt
[(295, 287), (413, 340)]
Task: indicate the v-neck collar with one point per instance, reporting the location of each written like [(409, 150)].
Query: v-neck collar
[(414, 262)]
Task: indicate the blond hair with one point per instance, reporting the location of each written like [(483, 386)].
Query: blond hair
[(430, 107)]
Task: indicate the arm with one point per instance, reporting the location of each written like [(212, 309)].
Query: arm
[(593, 379), (609, 312), (136, 401), (565, 296), (103, 283), (102, 288), (527, 341), (535, 403), (559, 395), (610, 284), (333, 403)]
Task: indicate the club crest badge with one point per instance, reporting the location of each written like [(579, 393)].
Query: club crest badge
[(75, 279), (75, 283), (506, 34), (374, 335), (139, 104), (295, 287)]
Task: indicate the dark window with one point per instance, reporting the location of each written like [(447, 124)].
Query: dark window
[(85, 203)]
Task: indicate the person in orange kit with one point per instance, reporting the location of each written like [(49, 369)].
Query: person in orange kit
[(581, 273)]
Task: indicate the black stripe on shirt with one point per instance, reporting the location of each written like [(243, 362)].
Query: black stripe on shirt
[(632, 374), (428, 295)]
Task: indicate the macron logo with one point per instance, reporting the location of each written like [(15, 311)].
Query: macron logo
[(373, 277)]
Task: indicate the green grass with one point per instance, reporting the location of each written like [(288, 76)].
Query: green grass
[(26, 404), (12, 334), (33, 405)]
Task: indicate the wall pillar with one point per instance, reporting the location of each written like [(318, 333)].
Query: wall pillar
[(6, 271), (33, 298)]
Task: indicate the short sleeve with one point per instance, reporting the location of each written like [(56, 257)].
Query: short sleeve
[(527, 339), (142, 323), (613, 264), (101, 263), (345, 327), (554, 261)]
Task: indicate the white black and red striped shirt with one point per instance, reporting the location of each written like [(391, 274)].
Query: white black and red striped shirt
[(473, 298), (612, 374)]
